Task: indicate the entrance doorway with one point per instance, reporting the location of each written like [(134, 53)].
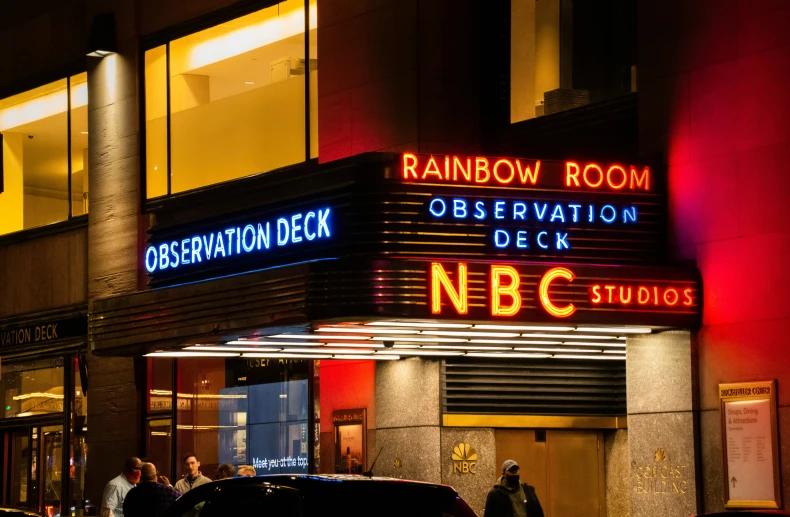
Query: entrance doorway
[(565, 467), (32, 467)]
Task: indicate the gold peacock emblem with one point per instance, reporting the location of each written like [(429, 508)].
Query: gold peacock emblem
[(661, 455), (464, 452)]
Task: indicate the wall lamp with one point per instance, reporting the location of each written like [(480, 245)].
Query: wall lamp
[(101, 39)]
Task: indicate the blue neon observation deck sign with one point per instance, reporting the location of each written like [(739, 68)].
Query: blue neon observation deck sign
[(225, 244)]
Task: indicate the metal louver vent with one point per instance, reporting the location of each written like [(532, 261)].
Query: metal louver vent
[(575, 388)]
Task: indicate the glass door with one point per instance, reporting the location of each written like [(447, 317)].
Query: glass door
[(19, 468), (51, 468), (33, 469)]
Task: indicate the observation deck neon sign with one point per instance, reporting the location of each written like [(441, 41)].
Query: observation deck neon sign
[(260, 237)]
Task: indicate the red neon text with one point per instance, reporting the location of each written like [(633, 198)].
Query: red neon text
[(645, 295), (615, 177), (473, 170)]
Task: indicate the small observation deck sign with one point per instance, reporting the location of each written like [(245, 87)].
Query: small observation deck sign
[(751, 455)]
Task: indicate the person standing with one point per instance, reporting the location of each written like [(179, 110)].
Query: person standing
[(149, 498), (116, 490), (510, 497), (193, 478), (246, 471), (225, 471)]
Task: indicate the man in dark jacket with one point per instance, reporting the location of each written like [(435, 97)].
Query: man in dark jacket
[(149, 498), (510, 497)]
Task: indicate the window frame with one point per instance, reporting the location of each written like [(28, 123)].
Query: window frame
[(165, 37), (66, 73)]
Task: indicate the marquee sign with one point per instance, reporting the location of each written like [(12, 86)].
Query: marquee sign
[(540, 209)]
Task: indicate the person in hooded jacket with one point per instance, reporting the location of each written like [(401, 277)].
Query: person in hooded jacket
[(511, 498)]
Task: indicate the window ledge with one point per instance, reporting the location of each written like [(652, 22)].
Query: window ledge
[(44, 231)]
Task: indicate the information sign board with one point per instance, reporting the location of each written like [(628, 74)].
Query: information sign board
[(749, 445)]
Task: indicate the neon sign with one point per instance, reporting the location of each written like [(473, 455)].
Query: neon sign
[(558, 292), (235, 241), (504, 172)]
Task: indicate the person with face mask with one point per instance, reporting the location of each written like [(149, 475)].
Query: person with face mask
[(116, 490), (510, 497)]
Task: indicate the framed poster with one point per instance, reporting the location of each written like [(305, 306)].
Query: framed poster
[(350, 441), (749, 445)]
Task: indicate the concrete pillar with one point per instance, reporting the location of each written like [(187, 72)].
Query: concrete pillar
[(661, 375), (114, 237)]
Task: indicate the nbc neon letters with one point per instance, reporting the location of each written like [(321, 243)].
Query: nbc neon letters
[(259, 237)]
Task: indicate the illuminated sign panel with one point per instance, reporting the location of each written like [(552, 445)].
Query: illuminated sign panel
[(508, 291), (539, 208), (255, 238)]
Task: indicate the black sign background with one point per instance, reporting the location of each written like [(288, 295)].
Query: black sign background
[(43, 331)]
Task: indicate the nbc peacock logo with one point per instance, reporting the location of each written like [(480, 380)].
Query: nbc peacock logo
[(464, 459)]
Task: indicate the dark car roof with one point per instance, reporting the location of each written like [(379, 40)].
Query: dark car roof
[(306, 480)]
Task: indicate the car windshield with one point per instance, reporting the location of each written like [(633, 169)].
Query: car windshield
[(384, 500)]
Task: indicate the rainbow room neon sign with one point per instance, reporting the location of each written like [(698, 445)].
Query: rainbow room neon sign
[(253, 238), (506, 285)]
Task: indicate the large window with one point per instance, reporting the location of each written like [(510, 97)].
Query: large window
[(237, 100), (44, 155), (569, 53)]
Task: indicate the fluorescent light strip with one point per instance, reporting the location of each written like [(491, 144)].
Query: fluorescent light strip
[(332, 351), (364, 330), (616, 330), (288, 356), (599, 344), (467, 347), (378, 357), (566, 336), (272, 343), (600, 357), (472, 334), (355, 345), (309, 336), (560, 350), (420, 324), (230, 349), (406, 346), (430, 340), (507, 355), (520, 328), (191, 354), (513, 342), (429, 352), (614, 351)]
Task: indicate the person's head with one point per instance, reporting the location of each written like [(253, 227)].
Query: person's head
[(510, 473), (191, 465), (131, 470), (246, 471), (225, 471), (148, 473)]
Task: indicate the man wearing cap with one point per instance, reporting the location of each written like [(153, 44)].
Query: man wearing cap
[(510, 497)]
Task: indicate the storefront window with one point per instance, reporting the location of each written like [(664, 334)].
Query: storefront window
[(35, 170), (245, 412), (236, 100), (32, 388), (79, 449), (569, 53)]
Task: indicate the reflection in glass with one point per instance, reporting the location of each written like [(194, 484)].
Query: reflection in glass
[(20, 466), (158, 433), (33, 388), (160, 384), (79, 144), (79, 449), (52, 457)]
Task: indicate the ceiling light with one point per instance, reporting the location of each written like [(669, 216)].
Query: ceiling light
[(561, 350), (508, 355), (523, 327), (513, 342), (288, 356), (356, 345), (308, 336), (583, 343), (229, 349), (191, 354), (566, 336), (599, 357), (249, 82), (333, 351), (83, 132), (272, 343), (405, 346), (431, 340), (471, 334), (620, 330), (468, 347), (614, 351), (379, 357), (420, 324), (364, 330), (430, 352)]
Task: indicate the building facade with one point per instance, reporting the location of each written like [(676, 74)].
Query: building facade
[(408, 237)]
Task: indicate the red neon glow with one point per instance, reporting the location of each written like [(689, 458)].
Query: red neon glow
[(439, 279), (475, 170), (645, 295), (543, 292), (592, 176), (511, 290)]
